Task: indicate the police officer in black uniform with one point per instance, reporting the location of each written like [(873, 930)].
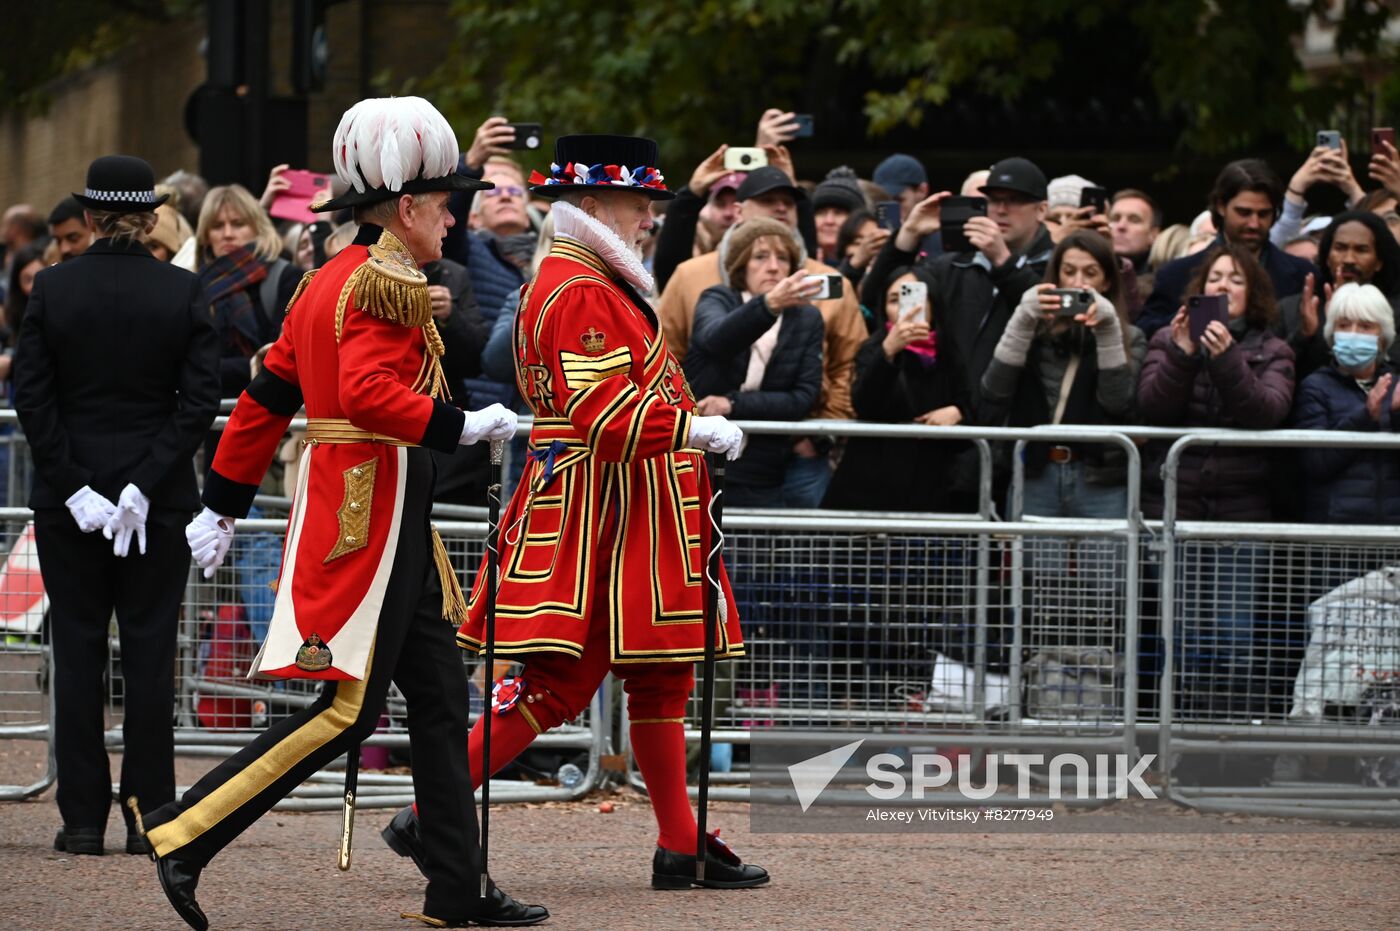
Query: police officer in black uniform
[(116, 383)]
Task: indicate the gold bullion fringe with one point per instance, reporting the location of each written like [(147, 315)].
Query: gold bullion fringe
[(301, 286), (454, 605)]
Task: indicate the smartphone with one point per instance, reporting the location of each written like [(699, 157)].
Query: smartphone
[(805, 127), (528, 136), (954, 215), (1203, 308), (1380, 135), (887, 215), (308, 187), (913, 299), (1094, 196), (1329, 138), (832, 286), (1073, 301), (741, 158)]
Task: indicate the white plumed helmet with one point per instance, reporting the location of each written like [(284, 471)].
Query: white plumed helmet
[(386, 146)]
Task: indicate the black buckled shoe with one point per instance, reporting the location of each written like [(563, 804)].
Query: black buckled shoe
[(78, 840), (498, 911), (178, 880), (401, 834), (723, 868)]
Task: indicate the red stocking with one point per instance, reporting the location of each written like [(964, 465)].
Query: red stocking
[(510, 735), (660, 752)]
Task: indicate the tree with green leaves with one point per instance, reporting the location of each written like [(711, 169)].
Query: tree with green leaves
[(1225, 71)]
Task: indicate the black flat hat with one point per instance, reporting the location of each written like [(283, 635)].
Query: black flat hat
[(596, 161), (120, 184), (354, 198)]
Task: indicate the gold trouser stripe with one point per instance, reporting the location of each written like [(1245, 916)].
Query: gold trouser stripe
[(339, 430), (245, 785), (658, 721)]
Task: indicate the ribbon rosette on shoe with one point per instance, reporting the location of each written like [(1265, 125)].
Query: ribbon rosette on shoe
[(597, 175), (506, 692)]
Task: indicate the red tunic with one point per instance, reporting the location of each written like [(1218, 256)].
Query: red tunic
[(611, 527), (348, 507)]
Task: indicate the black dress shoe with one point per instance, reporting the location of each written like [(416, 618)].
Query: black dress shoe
[(78, 840), (723, 869), (136, 844), (178, 879), (401, 834), (498, 911)]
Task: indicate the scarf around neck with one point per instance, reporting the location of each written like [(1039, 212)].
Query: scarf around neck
[(572, 223), (925, 350), (517, 249), (228, 281)]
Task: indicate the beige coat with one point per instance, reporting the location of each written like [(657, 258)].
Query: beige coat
[(845, 329)]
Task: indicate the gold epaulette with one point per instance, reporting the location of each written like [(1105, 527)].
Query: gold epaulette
[(301, 286), (388, 286)]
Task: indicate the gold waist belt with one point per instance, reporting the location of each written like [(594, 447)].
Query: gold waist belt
[(338, 430)]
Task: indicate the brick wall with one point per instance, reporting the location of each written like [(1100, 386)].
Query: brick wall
[(134, 104)]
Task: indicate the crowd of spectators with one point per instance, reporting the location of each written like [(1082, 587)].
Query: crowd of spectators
[(847, 298)]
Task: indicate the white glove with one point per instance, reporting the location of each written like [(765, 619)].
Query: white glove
[(496, 422), (129, 518), (716, 435), (209, 536), (89, 509)]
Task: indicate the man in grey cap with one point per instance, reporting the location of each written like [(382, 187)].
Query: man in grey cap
[(903, 177)]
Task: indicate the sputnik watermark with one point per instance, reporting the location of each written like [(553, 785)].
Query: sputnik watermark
[(894, 777)]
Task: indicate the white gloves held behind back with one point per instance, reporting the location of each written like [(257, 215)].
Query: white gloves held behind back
[(118, 522)]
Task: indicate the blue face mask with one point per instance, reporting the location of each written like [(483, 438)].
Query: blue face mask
[(1355, 350)]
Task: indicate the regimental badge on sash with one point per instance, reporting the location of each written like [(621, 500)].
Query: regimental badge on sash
[(313, 655)]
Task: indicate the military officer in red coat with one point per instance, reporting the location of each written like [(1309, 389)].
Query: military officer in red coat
[(603, 546), (365, 584)]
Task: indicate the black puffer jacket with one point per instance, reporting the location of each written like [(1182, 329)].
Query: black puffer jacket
[(717, 361), (882, 474), (1346, 486)]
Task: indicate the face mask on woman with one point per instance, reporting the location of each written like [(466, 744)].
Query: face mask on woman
[(1355, 350)]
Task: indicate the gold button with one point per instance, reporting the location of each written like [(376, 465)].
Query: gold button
[(354, 505), (357, 472), (530, 699), (349, 539)]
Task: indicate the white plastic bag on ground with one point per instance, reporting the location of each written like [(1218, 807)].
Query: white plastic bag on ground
[(1353, 642)]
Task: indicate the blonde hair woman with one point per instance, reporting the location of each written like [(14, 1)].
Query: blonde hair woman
[(247, 281)]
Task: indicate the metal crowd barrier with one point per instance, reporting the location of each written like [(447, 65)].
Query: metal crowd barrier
[(915, 630)]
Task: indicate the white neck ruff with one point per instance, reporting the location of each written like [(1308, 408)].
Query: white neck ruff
[(573, 223)]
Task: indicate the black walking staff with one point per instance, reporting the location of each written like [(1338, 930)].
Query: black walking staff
[(714, 594), (493, 565)]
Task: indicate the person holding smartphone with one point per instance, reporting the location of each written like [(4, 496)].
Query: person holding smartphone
[(1239, 375), (907, 372), (756, 354), (1069, 356)]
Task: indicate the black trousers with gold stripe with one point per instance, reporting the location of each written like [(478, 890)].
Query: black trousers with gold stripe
[(415, 648)]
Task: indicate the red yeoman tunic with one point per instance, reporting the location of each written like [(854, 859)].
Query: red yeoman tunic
[(608, 524), (360, 353)]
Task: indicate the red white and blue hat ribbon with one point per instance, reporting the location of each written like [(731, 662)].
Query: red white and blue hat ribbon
[(600, 175), (505, 693)]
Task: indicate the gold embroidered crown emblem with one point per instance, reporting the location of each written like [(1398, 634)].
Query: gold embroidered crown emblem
[(593, 341)]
